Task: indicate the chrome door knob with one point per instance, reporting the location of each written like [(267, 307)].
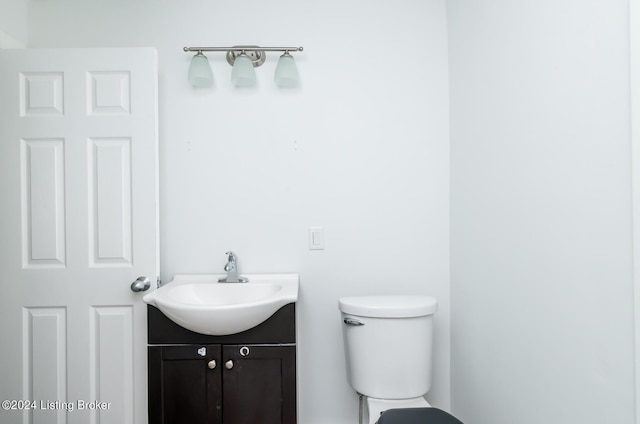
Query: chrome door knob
[(141, 284), (229, 364), (212, 364)]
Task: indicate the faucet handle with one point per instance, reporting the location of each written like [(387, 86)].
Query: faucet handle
[(231, 256)]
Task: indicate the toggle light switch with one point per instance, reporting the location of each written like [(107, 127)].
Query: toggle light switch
[(316, 238)]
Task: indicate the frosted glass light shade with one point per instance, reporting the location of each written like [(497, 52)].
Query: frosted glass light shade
[(242, 73), (200, 74), (286, 75)]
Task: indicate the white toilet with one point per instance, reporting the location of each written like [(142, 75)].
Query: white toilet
[(388, 345)]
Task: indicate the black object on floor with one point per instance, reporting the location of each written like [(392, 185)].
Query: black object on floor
[(417, 416)]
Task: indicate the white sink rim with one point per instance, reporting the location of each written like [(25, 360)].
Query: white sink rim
[(224, 319)]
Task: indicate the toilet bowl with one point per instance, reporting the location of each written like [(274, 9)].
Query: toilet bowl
[(388, 349)]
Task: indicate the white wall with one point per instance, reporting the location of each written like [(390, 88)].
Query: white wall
[(361, 149), (540, 212), (634, 47), (13, 23)]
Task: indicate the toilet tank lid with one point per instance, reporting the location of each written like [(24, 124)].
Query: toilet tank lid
[(388, 306)]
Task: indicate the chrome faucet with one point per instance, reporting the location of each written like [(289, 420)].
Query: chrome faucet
[(232, 270)]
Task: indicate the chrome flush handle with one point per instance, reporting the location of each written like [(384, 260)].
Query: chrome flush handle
[(352, 321)]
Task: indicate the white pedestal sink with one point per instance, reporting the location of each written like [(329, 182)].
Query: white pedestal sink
[(199, 303)]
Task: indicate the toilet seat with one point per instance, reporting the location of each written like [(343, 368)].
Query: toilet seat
[(417, 416), (375, 407)]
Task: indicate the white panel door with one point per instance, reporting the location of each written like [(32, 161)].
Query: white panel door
[(78, 224)]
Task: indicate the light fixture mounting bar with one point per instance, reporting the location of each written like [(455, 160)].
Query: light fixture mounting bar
[(243, 48)]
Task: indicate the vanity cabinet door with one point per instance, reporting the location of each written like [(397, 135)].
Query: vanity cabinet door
[(185, 385), (259, 384)]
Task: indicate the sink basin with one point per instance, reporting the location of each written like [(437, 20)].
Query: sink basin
[(199, 303)]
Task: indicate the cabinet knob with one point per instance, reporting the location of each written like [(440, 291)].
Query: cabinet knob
[(212, 364), (229, 364)]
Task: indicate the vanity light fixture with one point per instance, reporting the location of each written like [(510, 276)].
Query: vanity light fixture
[(200, 74), (286, 72), (244, 59), (242, 73)]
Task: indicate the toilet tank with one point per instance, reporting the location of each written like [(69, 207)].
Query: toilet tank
[(388, 344)]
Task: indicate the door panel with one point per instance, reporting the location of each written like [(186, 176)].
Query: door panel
[(45, 341), (110, 210), (78, 224), (42, 192)]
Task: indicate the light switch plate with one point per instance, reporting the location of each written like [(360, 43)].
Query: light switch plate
[(316, 238)]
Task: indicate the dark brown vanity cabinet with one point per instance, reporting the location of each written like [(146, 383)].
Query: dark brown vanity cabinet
[(243, 378), (182, 389)]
